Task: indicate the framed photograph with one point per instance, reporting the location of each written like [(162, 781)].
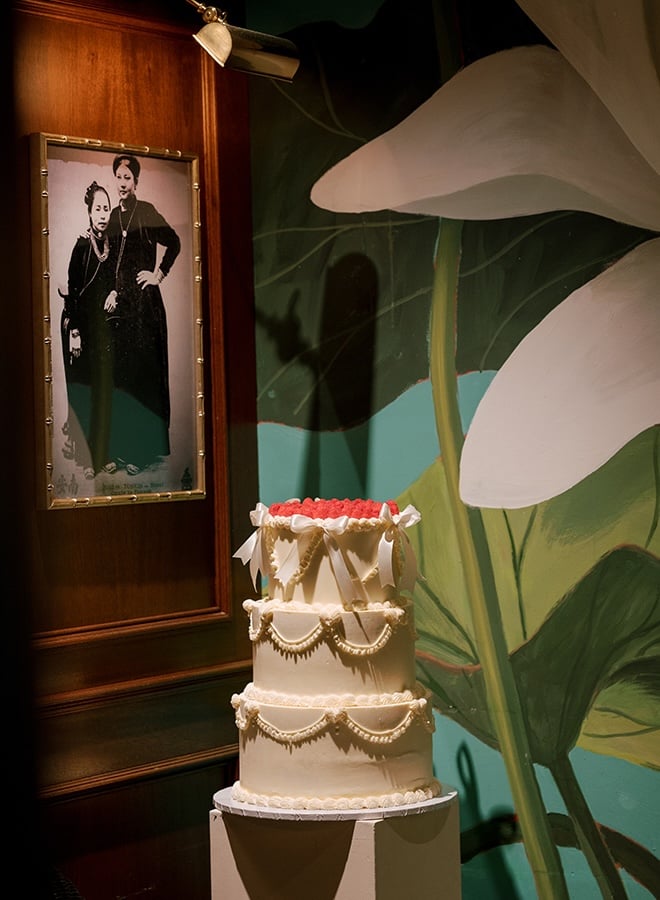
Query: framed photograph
[(118, 330)]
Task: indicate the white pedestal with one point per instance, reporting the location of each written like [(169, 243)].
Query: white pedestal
[(258, 853)]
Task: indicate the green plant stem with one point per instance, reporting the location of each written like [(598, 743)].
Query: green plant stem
[(587, 832), (503, 700)]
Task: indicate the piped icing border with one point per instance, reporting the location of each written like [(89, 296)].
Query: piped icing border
[(328, 711), (326, 629), (325, 520), (381, 801)]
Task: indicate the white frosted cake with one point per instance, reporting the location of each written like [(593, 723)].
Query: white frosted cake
[(334, 717)]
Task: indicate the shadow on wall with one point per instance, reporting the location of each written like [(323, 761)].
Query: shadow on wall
[(342, 334), (486, 836)]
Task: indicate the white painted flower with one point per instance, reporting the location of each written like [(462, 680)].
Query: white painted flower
[(525, 131)]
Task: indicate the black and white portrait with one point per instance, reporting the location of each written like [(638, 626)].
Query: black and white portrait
[(125, 323)]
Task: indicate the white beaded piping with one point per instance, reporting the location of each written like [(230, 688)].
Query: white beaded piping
[(248, 712), (321, 701), (398, 798)]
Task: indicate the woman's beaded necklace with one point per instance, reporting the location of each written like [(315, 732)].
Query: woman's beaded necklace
[(124, 233), (101, 256)]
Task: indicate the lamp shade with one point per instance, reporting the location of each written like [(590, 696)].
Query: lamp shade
[(216, 39), (249, 51)]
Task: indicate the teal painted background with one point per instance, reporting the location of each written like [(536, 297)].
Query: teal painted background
[(355, 417)]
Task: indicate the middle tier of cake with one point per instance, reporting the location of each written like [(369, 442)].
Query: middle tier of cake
[(319, 649)]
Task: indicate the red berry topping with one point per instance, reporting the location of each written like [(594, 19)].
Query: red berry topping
[(332, 509)]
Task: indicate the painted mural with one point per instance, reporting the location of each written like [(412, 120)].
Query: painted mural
[(493, 214)]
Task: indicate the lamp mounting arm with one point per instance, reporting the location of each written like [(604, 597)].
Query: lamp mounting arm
[(209, 13)]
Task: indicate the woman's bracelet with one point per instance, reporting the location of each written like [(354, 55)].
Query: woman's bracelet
[(159, 276)]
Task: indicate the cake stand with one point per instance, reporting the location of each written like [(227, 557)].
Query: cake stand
[(264, 853)]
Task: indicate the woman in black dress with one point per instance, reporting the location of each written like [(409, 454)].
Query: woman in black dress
[(145, 249), (85, 328)]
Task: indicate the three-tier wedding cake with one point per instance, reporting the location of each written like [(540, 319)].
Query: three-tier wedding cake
[(334, 717)]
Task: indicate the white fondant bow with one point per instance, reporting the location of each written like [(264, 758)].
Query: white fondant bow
[(407, 517), (348, 583), (254, 549)]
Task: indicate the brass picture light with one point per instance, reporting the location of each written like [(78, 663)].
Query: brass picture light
[(248, 51)]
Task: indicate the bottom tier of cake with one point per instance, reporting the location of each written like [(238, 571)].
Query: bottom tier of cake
[(334, 752)]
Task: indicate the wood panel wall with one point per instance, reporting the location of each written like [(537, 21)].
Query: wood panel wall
[(129, 637)]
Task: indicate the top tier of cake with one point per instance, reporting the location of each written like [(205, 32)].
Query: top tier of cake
[(349, 552)]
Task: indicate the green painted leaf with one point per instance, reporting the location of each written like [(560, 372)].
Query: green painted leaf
[(515, 271), (595, 638), (625, 718), (604, 627), (442, 609), (614, 506), (553, 545), (543, 558)]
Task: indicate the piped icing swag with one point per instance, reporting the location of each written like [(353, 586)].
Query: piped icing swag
[(327, 520)]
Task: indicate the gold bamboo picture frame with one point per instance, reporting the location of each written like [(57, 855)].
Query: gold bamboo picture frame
[(118, 323)]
